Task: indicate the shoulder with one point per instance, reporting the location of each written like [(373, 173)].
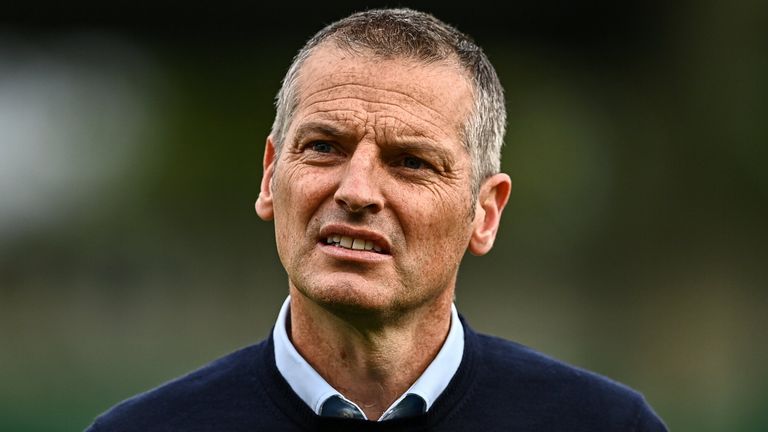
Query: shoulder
[(217, 390), (530, 367), (547, 389)]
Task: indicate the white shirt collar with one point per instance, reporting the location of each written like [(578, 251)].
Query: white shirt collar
[(314, 390)]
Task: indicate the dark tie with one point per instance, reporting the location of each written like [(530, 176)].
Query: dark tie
[(410, 406)]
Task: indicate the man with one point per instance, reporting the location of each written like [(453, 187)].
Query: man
[(381, 170)]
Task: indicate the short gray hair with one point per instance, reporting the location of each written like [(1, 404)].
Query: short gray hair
[(406, 33)]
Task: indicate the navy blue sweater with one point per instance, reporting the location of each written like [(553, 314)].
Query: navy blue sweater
[(500, 386)]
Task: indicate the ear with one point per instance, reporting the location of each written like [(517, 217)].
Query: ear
[(492, 197), (264, 206)]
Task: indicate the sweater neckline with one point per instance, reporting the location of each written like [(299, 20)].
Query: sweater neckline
[(287, 404)]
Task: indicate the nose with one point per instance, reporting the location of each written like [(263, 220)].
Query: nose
[(359, 187)]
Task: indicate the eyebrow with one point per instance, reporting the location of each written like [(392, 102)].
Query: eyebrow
[(426, 148), (403, 145), (319, 128)]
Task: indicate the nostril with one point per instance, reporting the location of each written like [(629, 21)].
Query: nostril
[(355, 207), (355, 201), (352, 206)]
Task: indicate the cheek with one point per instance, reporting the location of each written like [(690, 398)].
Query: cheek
[(440, 229), (297, 189), (298, 193)]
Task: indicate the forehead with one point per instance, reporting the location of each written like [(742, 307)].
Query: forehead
[(438, 93)]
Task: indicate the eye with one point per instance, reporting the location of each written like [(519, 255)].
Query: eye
[(413, 162), (322, 147)]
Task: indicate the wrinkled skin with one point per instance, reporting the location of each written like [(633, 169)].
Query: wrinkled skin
[(375, 146)]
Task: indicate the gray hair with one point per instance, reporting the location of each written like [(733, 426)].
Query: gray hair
[(406, 33)]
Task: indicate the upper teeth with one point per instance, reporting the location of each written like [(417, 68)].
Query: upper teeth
[(352, 243)]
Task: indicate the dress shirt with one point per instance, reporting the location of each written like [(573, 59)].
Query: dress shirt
[(314, 390)]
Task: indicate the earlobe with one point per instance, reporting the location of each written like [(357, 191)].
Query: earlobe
[(492, 198), (264, 205)]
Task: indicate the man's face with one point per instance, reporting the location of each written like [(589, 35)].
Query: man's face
[(371, 193)]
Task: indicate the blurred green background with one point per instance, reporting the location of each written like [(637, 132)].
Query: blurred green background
[(634, 243)]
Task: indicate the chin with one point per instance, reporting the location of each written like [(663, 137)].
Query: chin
[(350, 298)]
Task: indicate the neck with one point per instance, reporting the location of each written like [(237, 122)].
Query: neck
[(370, 363)]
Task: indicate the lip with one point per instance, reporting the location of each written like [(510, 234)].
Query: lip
[(359, 256), (349, 231), (351, 255)]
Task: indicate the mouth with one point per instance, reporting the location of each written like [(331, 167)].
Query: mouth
[(353, 243), (353, 240)]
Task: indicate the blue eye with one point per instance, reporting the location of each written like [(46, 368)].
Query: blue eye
[(413, 162), (322, 147)]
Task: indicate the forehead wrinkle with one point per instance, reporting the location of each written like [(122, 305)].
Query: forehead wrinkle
[(327, 129), (400, 94), (372, 104), (336, 127), (404, 137), (393, 128), (377, 89), (343, 115)]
